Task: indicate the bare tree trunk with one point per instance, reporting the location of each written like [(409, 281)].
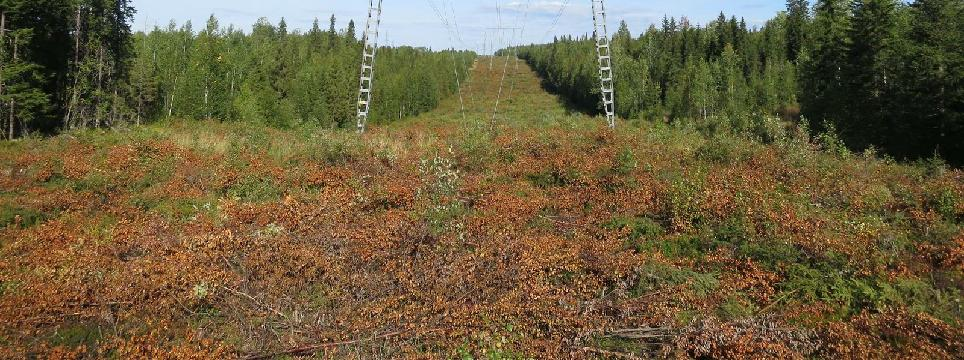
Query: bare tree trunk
[(114, 116), (100, 79), (3, 33), (68, 120), (113, 108), (77, 38), (170, 106), (206, 108), (16, 40)]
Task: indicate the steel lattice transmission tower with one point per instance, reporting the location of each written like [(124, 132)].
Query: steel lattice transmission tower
[(370, 43), (604, 54)]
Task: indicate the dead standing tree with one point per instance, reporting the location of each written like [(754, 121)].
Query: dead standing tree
[(5, 65), (3, 33), (69, 121), (13, 103)]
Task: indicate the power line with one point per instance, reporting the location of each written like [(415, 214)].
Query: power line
[(455, 22), (455, 66), (458, 33), (515, 49), (505, 67), (562, 9)]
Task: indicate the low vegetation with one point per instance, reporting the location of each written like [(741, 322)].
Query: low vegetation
[(527, 234)]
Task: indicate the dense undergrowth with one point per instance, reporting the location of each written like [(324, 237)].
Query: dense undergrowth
[(535, 233)]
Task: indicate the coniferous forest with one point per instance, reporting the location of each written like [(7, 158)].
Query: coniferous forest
[(788, 189), (81, 66), (280, 78), (879, 73)]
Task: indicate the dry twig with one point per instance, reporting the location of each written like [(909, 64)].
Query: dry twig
[(310, 349), (610, 353), (255, 301)]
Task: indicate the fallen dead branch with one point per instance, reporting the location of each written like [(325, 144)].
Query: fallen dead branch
[(610, 353), (641, 333), (255, 301), (49, 318), (90, 305), (311, 349)]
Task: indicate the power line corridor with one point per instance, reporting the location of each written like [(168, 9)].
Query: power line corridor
[(529, 101), (446, 14)]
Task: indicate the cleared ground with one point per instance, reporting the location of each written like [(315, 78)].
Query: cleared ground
[(533, 232)]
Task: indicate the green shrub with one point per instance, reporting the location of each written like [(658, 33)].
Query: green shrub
[(333, 147), (685, 199), (95, 182), (831, 143), (852, 295), (736, 306), (654, 277), (647, 235), (495, 345), (684, 246), (620, 345), (187, 209), (774, 255), (933, 166), (945, 202), (734, 230), (441, 183), (625, 162), (548, 179), (810, 285), (160, 170), (642, 230), (254, 189), (766, 129), (918, 295), (877, 197), (10, 214), (475, 147), (718, 150), (9, 287), (73, 336)]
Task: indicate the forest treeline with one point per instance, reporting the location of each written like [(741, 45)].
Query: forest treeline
[(69, 64), (282, 78), (62, 63), (880, 73)]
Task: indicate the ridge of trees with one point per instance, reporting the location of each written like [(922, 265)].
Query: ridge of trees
[(68, 64), (281, 78), (882, 73), (679, 70)]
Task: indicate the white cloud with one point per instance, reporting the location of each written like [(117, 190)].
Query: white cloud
[(538, 7)]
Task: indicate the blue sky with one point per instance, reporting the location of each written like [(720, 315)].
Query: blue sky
[(413, 22)]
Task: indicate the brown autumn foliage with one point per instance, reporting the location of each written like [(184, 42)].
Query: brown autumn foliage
[(497, 239)]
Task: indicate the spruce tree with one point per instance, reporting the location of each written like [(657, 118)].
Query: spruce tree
[(823, 94), (798, 19), (931, 83), (23, 99), (144, 79), (332, 33), (868, 74)]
